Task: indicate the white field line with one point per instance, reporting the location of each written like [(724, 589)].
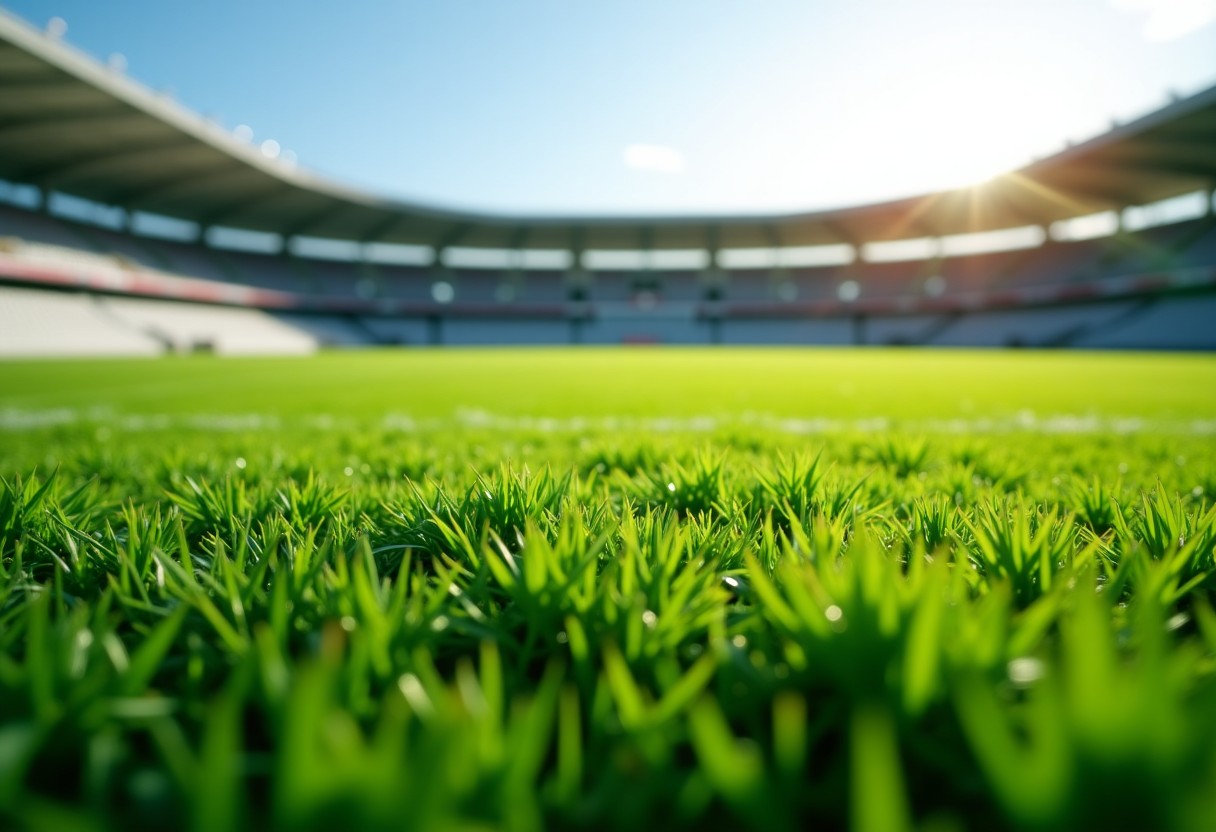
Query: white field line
[(16, 420)]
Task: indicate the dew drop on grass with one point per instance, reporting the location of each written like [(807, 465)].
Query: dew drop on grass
[(671, 486), (833, 613), (440, 623), (349, 624), (739, 641), (1176, 621), (562, 638), (1025, 671), (649, 619), (350, 472), (240, 462)]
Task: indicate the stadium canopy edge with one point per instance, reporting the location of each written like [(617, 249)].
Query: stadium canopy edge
[(71, 124)]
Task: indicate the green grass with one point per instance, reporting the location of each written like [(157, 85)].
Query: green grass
[(639, 382), (523, 589)]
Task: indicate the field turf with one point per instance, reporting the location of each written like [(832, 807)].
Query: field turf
[(609, 589)]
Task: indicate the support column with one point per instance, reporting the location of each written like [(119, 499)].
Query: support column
[(578, 280)]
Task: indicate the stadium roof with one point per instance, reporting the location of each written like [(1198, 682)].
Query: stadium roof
[(69, 123)]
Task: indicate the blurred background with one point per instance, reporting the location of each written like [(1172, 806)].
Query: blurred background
[(275, 178)]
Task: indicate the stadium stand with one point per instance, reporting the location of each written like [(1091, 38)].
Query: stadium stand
[(813, 284), (35, 322), (749, 286), (146, 256), (893, 280), (1159, 323), (359, 303), (497, 331), (681, 287), (831, 331), (405, 284), (192, 327), (541, 287), (1049, 327), (477, 287), (611, 287), (413, 331), (196, 261)]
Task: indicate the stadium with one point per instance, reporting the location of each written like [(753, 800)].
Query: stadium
[(158, 230), (326, 509)]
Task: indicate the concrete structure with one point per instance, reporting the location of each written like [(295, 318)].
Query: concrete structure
[(115, 190)]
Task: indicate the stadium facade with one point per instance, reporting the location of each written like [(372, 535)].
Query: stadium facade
[(130, 225)]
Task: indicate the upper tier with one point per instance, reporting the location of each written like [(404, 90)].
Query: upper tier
[(70, 124)]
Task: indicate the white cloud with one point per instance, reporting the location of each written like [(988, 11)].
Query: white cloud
[(653, 157), (1169, 19)]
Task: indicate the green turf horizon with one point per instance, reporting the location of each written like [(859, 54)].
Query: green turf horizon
[(636, 619), (669, 382)]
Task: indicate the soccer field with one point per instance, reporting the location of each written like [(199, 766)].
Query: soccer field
[(516, 589), (540, 382)]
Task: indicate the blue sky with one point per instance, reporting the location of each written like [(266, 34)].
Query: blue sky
[(661, 106)]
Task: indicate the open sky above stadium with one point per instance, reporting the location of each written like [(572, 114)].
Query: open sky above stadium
[(658, 107)]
